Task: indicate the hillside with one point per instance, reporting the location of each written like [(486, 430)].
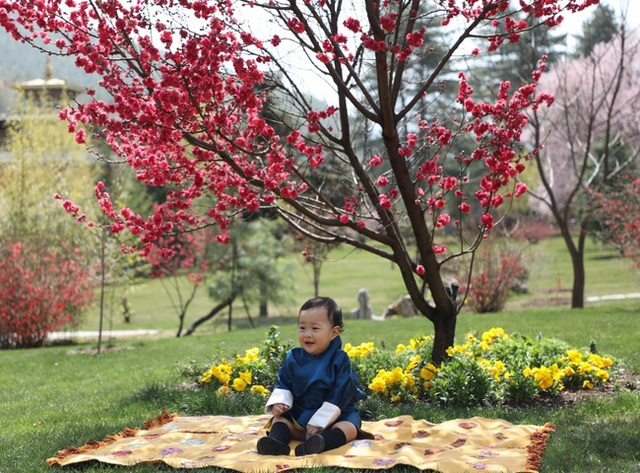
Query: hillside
[(19, 62)]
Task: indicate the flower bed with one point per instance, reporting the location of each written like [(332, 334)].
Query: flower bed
[(492, 368)]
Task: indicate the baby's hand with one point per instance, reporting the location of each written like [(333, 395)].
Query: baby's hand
[(312, 430), (279, 409)]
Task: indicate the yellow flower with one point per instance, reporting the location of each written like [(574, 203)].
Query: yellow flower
[(545, 376), (378, 385), (364, 349), (599, 361), (497, 369), (602, 374), (249, 356), (206, 376), (400, 348), (408, 380), (245, 376), (395, 398), (569, 371), (585, 367), (587, 384), (259, 389), (221, 373), (413, 362), (239, 384), (574, 355), (396, 374), (429, 371), (489, 336)]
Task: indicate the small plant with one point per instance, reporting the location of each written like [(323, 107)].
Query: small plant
[(254, 371), (498, 269)]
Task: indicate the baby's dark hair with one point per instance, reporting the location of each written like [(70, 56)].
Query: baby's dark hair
[(333, 309)]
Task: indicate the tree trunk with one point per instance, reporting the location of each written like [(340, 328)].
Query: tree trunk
[(212, 313), (264, 306), (445, 331), (579, 275)]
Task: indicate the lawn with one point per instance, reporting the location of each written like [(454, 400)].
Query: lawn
[(66, 395), (346, 271)]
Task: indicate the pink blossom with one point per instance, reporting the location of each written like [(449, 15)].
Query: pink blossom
[(416, 39), (352, 24), (382, 181), (296, 25), (385, 203), (81, 136), (487, 221), (420, 270), (521, 188), (439, 249), (375, 160)]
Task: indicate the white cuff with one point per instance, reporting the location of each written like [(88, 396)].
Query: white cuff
[(279, 396), (325, 416)]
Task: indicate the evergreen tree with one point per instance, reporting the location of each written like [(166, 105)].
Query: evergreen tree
[(602, 27)]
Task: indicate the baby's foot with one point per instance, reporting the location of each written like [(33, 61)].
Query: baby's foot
[(268, 446), (314, 444)]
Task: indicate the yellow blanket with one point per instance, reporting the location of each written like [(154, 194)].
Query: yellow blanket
[(462, 445)]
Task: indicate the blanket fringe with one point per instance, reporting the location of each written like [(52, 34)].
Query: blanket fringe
[(159, 421), (537, 446)]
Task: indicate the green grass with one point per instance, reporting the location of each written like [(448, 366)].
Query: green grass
[(59, 396), (347, 271), (62, 395)]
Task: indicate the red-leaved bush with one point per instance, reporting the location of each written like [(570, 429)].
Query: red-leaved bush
[(497, 269), (40, 292)]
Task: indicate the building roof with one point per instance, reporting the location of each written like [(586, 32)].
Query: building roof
[(50, 83)]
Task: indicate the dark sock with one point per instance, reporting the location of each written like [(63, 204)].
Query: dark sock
[(327, 440), (333, 438), (280, 432), (277, 442)]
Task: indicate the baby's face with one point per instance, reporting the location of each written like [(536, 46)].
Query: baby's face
[(315, 330)]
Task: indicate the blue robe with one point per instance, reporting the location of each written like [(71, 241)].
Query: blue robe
[(320, 389)]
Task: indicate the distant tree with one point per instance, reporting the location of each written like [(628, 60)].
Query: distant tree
[(601, 28), (314, 253), (587, 138), (180, 263), (44, 161), (617, 209), (49, 272), (248, 270)]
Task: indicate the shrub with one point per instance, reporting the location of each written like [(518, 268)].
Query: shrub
[(498, 267), (40, 292), (495, 368)]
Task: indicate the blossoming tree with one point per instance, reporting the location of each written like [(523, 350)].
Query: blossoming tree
[(589, 138), (188, 85)]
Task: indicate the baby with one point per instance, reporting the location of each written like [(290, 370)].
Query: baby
[(316, 391)]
